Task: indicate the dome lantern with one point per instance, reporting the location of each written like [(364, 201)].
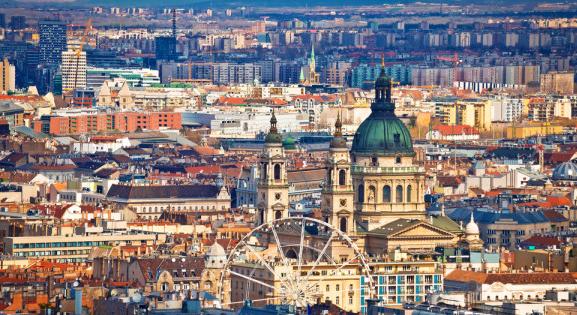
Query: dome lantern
[(383, 133), (273, 136)]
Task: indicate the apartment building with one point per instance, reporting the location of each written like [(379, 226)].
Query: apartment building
[(558, 82), (73, 70), (7, 76), (396, 282), (151, 201), (121, 122), (73, 248), (471, 112)]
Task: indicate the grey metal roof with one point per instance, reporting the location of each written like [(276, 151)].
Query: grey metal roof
[(490, 217)]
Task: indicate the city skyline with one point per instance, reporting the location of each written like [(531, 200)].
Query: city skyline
[(300, 157)]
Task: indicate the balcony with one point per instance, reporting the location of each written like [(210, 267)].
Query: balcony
[(386, 170)]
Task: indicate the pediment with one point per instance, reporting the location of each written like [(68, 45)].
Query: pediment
[(422, 229)]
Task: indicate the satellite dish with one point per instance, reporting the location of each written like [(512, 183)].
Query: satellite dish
[(182, 259), (75, 284), (113, 292), (173, 259)]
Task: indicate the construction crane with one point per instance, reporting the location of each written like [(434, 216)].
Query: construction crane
[(453, 59), (78, 51)]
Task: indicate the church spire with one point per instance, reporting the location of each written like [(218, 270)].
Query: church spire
[(273, 136), (338, 140), (273, 122), (338, 126), (313, 62), (313, 76)]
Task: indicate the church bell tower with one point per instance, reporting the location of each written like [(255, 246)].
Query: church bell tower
[(337, 194), (273, 185)]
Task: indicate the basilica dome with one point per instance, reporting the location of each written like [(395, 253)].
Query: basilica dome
[(383, 133)]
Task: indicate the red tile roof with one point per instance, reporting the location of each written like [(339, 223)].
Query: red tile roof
[(231, 100), (512, 278), (559, 201), (456, 130), (541, 241)]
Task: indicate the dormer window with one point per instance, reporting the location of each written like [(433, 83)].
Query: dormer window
[(397, 138)]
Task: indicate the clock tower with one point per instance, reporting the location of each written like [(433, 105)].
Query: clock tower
[(337, 194)]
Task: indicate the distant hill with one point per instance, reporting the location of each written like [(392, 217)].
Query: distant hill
[(232, 3)]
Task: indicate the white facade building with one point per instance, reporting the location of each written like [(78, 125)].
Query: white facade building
[(246, 124), (90, 147), (73, 70), (506, 109)]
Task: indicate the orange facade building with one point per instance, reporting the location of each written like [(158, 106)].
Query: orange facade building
[(120, 122)]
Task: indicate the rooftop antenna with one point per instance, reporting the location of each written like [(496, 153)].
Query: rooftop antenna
[(174, 23)]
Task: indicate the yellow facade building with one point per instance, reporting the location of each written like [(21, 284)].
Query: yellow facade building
[(471, 112), (7, 76), (519, 132)]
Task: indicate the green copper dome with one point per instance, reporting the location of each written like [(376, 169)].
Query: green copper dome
[(273, 138), (383, 133), (289, 143)]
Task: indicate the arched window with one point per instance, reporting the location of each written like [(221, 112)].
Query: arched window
[(277, 171), (409, 193), (278, 215), (343, 225), (398, 160), (264, 171), (342, 177), (361, 193), (399, 193), (387, 194)]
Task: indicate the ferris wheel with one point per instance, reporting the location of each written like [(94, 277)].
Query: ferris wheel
[(287, 261)]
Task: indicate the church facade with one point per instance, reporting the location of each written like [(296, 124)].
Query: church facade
[(373, 192)]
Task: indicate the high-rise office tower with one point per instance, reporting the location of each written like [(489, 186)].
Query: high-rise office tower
[(165, 48), (2, 20), (73, 70), (52, 42), (18, 22)]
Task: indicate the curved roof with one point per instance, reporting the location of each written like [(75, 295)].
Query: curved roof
[(216, 250), (289, 143), (383, 133), (565, 171), (472, 228)]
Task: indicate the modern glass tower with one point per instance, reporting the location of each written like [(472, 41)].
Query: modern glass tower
[(52, 42)]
